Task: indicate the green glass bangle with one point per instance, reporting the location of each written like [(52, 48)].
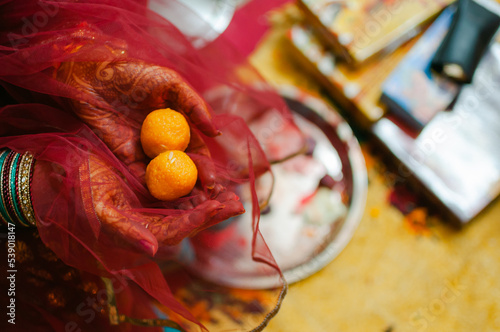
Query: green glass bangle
[(16, 172), (13, 192), (6, 190)]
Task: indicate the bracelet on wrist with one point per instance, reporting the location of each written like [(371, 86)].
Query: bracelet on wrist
[(16, 175)]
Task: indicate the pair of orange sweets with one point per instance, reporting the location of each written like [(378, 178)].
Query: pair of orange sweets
[(165, 135)]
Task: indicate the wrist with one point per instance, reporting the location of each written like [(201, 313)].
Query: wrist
[(16, 174)]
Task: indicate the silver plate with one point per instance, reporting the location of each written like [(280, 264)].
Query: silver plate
[(307, 225)]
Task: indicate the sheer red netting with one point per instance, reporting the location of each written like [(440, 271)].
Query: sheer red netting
[(80, 77)]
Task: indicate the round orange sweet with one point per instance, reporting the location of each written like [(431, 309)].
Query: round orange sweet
[(172, 174), (163, 130)]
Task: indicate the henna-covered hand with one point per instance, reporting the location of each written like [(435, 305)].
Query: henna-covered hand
[(148, 231), (114, 97)]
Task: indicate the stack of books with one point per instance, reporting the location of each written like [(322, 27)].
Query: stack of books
[(358, 44), (374, 58), (359, 30)]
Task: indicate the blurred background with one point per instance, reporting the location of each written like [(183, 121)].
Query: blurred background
[(417, 82)]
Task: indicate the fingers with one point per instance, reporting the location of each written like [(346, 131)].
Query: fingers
[(111, 205), (231, 208), (198, 197), (146, 232), (123, 227), (171, 230), (200, 154), (207, 214), (183, 98)]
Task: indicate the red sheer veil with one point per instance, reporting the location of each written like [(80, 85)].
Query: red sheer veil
[(37, 38)]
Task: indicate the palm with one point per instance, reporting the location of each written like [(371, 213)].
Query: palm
[(116, 96)]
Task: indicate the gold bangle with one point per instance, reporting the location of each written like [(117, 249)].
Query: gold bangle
[(25, 179)]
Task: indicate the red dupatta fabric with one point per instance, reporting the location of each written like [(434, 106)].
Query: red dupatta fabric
[(41, 44)]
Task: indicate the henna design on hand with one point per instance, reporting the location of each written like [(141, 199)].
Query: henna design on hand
[(148, 231), (115, 97)]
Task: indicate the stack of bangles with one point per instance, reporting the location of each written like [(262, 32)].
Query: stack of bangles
[(16, 174)]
